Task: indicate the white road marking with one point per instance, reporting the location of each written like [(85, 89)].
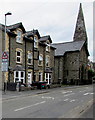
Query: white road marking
[(48, 97), (72, 100), (69, 94), (86, 94), (83, 91), (29, 106), (66, 99), (63, 92)]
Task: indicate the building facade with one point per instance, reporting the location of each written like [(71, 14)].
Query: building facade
[(71, 58), (29, 55), (32, 57)]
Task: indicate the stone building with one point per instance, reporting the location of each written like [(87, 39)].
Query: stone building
[(29, 55), (71, 57), (33, 57)]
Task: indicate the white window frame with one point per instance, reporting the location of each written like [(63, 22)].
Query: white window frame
[(30, 57), (19, 36), (48, 48), (47, 61), (19, 56), (40, 76), (19, 76), (48, 78), (35, 42), (30, 73), (40, 60)]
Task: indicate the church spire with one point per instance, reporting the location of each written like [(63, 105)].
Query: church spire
[(80, 30)]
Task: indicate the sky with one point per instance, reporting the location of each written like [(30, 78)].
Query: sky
[(56, 18)]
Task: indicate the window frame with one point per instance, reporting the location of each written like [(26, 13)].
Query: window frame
[(19, 76), (30, 58), (40, 60), (35, 42), (40, 76), (48, 47), (48, 61), (19, 56), (19, 36)]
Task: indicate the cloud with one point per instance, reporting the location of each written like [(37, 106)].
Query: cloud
[(56, 17)]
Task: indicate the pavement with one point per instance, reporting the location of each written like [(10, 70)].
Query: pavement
[(13, 94)]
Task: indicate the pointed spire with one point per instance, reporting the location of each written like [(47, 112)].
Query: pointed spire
[(80, 30)]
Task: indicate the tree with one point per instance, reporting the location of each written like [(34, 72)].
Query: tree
[(91, 74)]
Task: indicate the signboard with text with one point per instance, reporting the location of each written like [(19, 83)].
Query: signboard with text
[(5, 61)]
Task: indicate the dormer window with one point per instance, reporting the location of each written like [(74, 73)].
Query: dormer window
[(35, 42), (48, 47), (19, 36)]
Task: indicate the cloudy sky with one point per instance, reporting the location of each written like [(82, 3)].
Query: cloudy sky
[(56, 18)]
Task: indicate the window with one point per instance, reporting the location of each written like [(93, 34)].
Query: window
[(35, 76), (19, 56), (47, 61), (29, 58), (19, 76), (19, 36), (29, 77), (40, 60), (48, 77), (35, 42), (48, 48), (40, 76)]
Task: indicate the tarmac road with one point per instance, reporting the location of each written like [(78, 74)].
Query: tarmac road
[(56, 103)]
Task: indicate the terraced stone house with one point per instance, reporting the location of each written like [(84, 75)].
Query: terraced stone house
[(29, 55)]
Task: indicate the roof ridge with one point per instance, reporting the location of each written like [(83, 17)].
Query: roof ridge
[(14, 24), (67, 42)]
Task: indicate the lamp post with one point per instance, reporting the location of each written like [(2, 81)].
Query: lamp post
[(5, 85), (9, 13)]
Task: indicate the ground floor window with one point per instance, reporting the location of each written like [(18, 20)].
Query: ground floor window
[(35, 76), (40, 76), (30, 77), (48, 77), (19, 76)]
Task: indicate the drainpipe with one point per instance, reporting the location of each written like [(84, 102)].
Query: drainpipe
[(25, 61)]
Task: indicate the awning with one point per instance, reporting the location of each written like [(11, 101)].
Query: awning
[(19, 68)]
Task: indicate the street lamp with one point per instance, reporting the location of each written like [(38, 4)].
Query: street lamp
[(5, 85), (9, 13)]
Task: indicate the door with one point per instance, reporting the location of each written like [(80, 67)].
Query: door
[(30, 77)]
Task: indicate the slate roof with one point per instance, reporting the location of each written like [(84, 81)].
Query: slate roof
[(32, 33), (62, 48), (45, 38), (17, 25)]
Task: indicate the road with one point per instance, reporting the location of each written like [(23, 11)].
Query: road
[(57, 103)]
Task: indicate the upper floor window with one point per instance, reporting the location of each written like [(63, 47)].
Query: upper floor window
[(19, 56), (35, 42), (30, 58), (40, 60), (48, 48), (47, 61), (19, 36)]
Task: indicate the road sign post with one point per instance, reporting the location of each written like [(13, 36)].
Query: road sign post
[(5, 62)]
